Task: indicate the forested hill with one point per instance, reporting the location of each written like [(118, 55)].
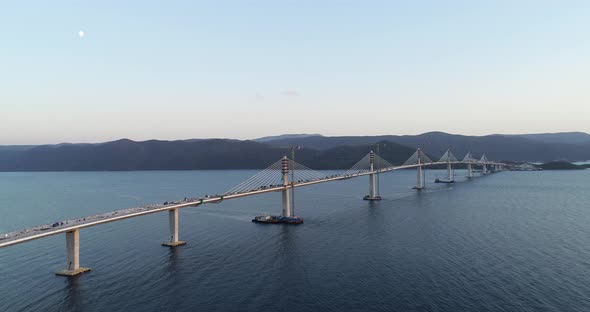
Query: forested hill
[(498, 147), (317, 152), (182, 155)]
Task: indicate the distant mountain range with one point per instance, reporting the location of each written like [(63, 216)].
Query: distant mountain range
[(180, 155), (533, 147), (318, 152), (561, 137)]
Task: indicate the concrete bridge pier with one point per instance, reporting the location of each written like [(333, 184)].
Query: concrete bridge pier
[(173, 220), (73, 251), (287, 209), (287, 212), (372, 190), (469, 170), (420, 178), (450, 173), (420, 174), (485, 169)]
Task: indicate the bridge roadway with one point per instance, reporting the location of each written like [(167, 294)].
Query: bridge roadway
[(40, 231)]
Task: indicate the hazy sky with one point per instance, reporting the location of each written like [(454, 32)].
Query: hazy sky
[(244, 69)]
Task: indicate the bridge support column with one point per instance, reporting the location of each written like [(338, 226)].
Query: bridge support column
[(469, 170), (450, 173), (287, 204), (372, 190), (73, 251), (420, 177), (485, 169), (173, 220), (420, 173), (287, 209)]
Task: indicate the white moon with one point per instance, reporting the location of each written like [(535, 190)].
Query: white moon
[(81, 34)]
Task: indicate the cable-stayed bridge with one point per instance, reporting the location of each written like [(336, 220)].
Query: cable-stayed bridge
[(283, 176)]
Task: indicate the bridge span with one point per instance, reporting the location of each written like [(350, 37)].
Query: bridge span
[(283, 176)]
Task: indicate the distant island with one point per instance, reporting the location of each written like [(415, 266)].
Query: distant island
[(314, 150), (561, 165)]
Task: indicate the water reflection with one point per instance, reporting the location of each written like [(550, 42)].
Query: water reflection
[(173, 258), (72, 296)]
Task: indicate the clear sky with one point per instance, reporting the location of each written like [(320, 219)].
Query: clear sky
[(244, 69)]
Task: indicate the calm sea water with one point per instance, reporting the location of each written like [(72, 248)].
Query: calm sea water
[(513, 241)]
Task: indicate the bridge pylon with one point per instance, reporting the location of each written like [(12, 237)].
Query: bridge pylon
[(484, 167), (373, 194), (287, 208), (450, 172), (73, 253), (449, 158), (420, 173), (469, 160), (418, 160), (420, 177)]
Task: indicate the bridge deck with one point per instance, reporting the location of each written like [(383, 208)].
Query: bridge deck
[(41, 231)]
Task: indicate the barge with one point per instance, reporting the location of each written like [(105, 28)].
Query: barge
[(277, 219), (444, 181)]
